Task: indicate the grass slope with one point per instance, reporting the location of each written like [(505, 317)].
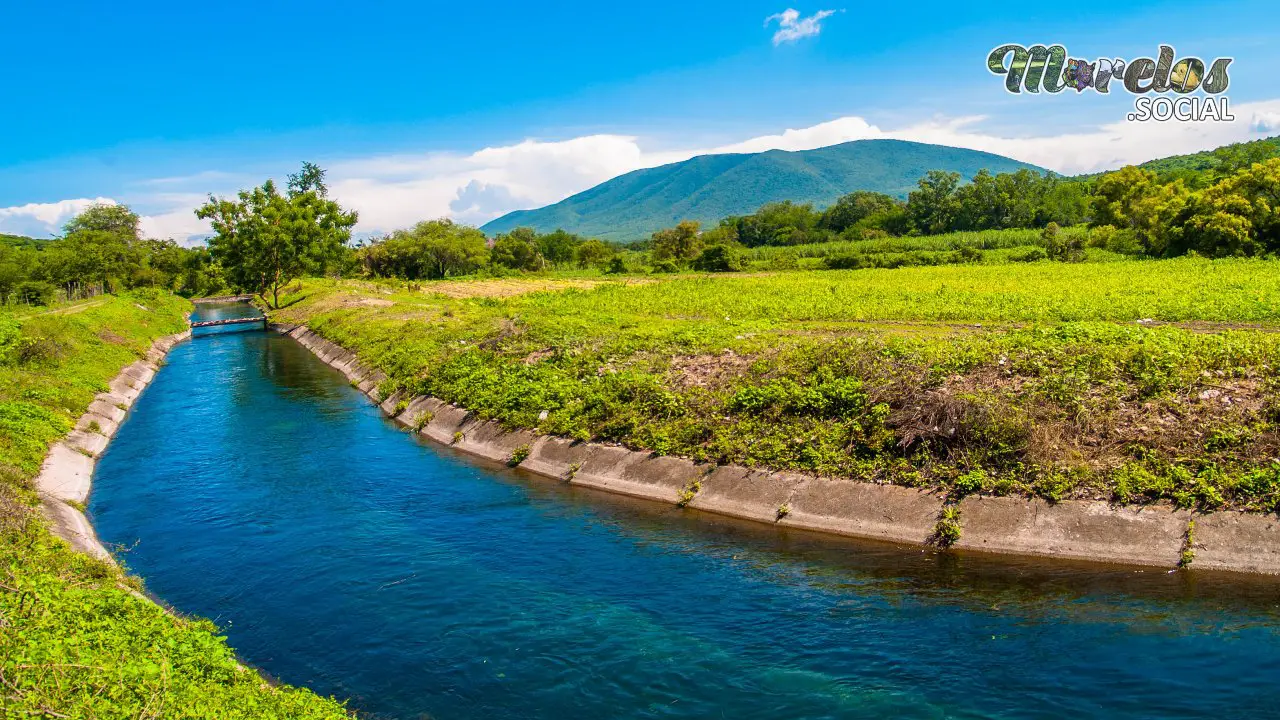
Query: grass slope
[(75, 641), (710, 187), (1030, 379)]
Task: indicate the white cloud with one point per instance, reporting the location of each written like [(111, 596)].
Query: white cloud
[(44, 219), (792, 27), (393, 191)]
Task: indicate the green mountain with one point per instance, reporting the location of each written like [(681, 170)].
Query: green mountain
[(20, 241), (710, 187)]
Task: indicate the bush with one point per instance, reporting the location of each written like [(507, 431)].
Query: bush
[(35, 292), (665, 266), (1032, 255), (719, 258), (615, 267), (1061, 247), (846, 262)]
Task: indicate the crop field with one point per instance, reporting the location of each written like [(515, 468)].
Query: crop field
[(1133, 381)]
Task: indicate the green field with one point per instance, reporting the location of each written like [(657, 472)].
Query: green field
[(75, 639), (1133, 381)]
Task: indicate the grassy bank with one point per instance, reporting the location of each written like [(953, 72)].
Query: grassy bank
[(75, 640), (1132, 381)]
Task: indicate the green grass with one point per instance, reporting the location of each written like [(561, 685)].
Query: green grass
[(75, 638), (1030, 379)]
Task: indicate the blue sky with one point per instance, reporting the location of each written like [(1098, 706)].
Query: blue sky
[(158, 104)]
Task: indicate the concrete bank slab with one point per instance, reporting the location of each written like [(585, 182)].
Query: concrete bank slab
[(67, 473), (93, 422), (1238, 541), (71, 525), (751, 494), (857, 509), (1096, 531), (90, 442), (488, 440), (1077, 530), (113, 411)]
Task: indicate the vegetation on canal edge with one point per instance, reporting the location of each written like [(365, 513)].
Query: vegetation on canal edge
[(75, 638), (1130, 381)]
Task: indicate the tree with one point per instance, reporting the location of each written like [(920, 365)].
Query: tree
[(933, 207), (518, 250), (679, 244), (558, 247), (1237, 216), (720, 258), (851, 209), (264, 240), (90, 256), (114, 219), (592, 253), (1132, 201), (432, 249)]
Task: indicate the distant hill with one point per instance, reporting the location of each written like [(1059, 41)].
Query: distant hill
[(21, 241), (1254, 150), (710, 187)]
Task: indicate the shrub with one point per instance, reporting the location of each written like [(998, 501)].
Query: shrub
[(36, 292), (665, 266), (1061, 247), (851, 261), (688, 493), (615, 267), (519, 455), (947, 530), (719, 258), (1032, 255)]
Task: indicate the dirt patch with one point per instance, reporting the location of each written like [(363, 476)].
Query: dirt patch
[(708, 371), (107, 336)]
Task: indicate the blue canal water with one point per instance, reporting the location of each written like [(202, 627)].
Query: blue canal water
[(253, 486)]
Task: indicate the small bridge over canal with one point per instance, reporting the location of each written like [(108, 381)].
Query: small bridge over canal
[(260, 320)]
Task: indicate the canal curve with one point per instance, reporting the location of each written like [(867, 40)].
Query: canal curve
[(253, 486)]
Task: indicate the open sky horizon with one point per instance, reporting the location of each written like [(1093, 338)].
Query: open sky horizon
[(428, 110)]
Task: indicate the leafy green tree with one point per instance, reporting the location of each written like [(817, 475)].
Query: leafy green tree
[(1132, 201), (86, 256), (1237, 216), (518, 250), (264, 239), (933, 207), (678, 244), (853, 208), (558, 247), (719, 258), (592, 253), (117, 220), (432, 249)]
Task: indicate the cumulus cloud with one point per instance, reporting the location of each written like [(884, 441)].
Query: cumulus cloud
[(44, 219), (394, 191), (478, 202), (792, 27)]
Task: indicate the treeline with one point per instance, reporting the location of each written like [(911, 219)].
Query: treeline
[(1224, 203), (437, 249), (101, 251)]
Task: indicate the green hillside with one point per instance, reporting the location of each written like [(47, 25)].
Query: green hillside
[(20, 241), (710, 187)]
